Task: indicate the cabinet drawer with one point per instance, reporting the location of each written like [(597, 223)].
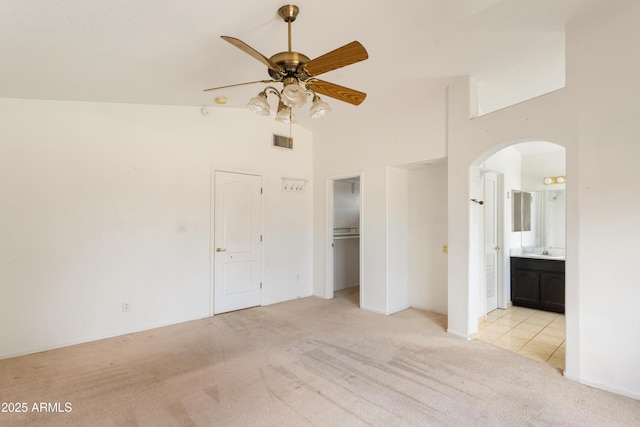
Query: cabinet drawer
[(556, 266)]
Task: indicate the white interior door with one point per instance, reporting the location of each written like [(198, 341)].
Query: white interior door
[(491, 241), (237, 241)]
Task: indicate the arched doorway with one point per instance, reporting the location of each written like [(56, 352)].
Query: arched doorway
[(525, 317)]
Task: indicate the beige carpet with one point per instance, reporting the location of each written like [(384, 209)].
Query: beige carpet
[(304, 362)]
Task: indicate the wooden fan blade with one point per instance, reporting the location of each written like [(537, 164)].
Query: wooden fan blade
[(252, 52), (239, 84), (341, 57), (338, 92)]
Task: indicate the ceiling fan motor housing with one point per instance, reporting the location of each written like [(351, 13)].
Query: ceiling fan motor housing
[(291, 63)]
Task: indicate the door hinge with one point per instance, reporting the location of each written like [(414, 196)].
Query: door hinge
[(261, 237), (260, 190), (260, 285)]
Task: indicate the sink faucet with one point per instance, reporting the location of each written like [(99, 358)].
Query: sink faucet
[(545, 251)]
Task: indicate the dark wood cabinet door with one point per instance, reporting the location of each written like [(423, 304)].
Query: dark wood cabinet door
[(537, 283), (552, 291), (525, 287)]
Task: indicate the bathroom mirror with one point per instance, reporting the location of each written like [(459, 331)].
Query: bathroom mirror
[(541, 216), (550, 223), (521, 209)]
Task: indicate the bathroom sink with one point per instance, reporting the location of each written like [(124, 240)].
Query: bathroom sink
[(540, 256)]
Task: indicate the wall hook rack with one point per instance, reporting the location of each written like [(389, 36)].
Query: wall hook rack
[(293, 184)]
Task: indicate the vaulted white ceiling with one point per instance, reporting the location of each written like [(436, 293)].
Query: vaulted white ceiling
[(167, 51)]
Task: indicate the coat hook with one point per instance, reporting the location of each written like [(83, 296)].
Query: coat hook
[(480, 202)]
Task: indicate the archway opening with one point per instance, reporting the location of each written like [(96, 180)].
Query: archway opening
[(517, 249)]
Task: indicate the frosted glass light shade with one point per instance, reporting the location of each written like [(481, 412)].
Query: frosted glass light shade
[(319, 108), (294, 95), (285, 115), (259, 105)]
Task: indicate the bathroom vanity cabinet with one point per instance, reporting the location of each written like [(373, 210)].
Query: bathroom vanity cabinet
[(538, 283)]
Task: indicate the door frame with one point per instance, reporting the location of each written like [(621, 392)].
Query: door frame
[(212, 241), (502, 298), (328, 228)]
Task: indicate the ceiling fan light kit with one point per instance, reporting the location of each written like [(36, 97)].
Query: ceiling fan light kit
[(293, 95), (297, 73), (319, 108), (259, 105), (284, 114)]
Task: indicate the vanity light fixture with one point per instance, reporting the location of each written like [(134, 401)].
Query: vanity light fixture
[(548, 180)]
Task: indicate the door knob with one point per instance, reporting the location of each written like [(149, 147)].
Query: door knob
[(220, 250), (497, 248)]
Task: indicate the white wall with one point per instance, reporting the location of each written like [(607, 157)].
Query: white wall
[(107, 203), (471, 142), (358, 144), (103, 228), (597, 119), (427, 235), (555, 219), (397, 240), (536, 166), (605, 46)]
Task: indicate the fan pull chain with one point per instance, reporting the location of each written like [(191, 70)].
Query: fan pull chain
[(290, 128)]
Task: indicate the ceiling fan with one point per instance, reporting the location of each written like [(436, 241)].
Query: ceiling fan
[(298, 74)]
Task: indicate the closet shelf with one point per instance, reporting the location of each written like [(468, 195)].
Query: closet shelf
[(345, 236), (346, 233)]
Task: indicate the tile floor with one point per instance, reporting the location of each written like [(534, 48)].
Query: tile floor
[(538, 335)]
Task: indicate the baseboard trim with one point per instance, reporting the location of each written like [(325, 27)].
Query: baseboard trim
[(373, 310), (99, 337), (459, 335), (592, 382)]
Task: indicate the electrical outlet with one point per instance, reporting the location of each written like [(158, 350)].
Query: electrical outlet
[(125, 307)]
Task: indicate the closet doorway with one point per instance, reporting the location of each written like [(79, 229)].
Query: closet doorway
[(344, 214)]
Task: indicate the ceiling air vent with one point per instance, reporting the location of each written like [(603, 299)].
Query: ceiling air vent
[(282, 141)]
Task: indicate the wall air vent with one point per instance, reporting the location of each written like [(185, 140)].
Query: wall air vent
[(282, 141)]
